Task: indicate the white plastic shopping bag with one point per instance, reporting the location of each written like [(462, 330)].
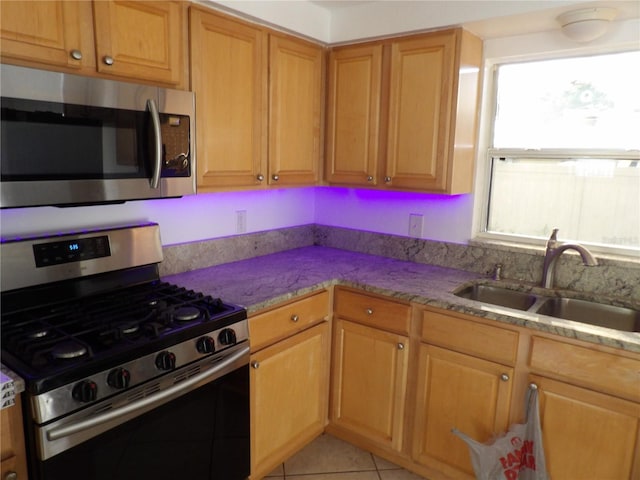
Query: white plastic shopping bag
[(517, 455)]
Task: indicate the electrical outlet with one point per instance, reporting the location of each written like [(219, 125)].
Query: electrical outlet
[(241, 221), (416, 222)]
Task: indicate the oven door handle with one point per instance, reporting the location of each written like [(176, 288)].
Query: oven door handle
[(183, 387)]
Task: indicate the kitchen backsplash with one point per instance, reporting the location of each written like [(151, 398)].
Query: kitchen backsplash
[(610, 277)]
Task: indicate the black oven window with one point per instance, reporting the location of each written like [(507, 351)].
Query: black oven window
[(203, 435)]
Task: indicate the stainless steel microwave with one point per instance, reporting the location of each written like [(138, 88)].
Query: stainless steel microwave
[(73, 140)]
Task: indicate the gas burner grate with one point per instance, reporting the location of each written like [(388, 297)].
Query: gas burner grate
[(104, 324)]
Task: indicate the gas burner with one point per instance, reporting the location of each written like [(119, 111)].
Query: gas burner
[(68, 349), (39, 333), (129, 328), (186, 314)]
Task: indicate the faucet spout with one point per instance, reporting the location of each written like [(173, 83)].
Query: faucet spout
[(553, 252)]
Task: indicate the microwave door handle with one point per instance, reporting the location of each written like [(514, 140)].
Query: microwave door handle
[(157, 164)]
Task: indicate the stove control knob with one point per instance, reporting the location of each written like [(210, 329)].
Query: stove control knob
[(166, 360), (85, 391), (119, 378), (206, 345), (227, 337)]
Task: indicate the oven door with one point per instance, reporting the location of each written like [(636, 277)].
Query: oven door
[(201, 435)]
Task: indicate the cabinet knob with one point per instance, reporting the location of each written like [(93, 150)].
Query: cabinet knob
[(504, 377), (11, 476), (255, 365), (275, 178), (387, 179), (369, 311), (294, 318), (76, 54), (107, 60), (369, 178), (260, 177), (533, 386), (401, 346)]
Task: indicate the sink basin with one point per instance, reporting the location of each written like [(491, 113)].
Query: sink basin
[(498, 296), (583, 311), (609, 316)]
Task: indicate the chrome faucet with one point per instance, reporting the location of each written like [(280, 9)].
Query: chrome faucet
[(554, 250)]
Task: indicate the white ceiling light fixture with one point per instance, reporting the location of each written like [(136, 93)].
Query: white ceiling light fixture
[(586, 24)]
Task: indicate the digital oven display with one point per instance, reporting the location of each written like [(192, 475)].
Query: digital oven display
[(66, 251)]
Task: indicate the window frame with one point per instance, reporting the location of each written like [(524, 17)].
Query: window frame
[(486, 152)]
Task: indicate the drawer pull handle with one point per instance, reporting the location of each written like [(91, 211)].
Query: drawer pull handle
[(504, 377), (369, 311), (255, 365), (294, 318), (401, 346)]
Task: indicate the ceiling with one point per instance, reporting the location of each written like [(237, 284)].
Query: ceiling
[(536, 17), (345, 21)]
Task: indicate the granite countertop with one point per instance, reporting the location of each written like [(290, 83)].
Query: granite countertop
[(262, 282)]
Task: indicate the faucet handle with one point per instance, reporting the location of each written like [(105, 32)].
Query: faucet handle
[(553, 239)]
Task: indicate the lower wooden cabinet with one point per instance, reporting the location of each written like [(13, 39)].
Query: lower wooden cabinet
[(588, 434), (461, 391), (289, 381), (369, 382), (12, 450)]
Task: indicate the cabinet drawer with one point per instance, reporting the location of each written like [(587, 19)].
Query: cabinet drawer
[(373, 311), (467, 336), (602, 371), (268, 327)]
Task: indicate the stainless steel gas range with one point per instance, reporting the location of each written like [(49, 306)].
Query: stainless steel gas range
[(126, 376)]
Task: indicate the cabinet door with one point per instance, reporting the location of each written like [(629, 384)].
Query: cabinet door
[(353, 115), (140, 39), (42, 31), (588, 434), (369, 382), (461, 391), (229, 78), (295, 96), (289, 397), (12, 450), (420, 106)]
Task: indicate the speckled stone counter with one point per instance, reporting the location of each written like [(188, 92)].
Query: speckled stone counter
[(261, 282)]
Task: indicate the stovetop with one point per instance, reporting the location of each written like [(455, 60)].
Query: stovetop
[(53, 344)]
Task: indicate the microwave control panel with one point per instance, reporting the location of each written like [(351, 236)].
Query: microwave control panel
[(175, 142)]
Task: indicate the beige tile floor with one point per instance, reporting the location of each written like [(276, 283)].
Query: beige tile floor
[(329, 458)]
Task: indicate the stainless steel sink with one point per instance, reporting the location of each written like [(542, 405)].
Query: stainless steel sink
[(498, 296), (578, 310), (609, 316)]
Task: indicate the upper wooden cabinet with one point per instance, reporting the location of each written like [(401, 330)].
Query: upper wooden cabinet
[(353, 117), (139, 40), (258, 98), (295, 101), (425, 139), (229, 78), (44, 31)]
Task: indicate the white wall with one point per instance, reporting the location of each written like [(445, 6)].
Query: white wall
[(199, 217), (181, 220)]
